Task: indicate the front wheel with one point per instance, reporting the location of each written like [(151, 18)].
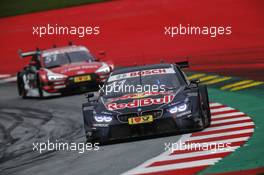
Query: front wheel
[(92, 138), (21, 86), (206, 116), (39, 86), (205, 107)]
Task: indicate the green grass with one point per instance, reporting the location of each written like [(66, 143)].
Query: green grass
[(18, 7)]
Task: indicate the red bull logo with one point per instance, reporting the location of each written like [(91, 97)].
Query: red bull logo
[(141, 103)]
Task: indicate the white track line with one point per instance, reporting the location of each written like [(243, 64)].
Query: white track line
[(225, 141), (228, 126), (5, 75), (230, 120), (221, 109), (7, 80), (174, 166), (198, 153), (222, 134), (227, 115), (215, 104)]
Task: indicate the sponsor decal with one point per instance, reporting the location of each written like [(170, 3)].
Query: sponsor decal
[(140, 103), (140, 119), (184, 113), (141, 73), (100, 125), (147, 72), (79, 68), (80, 72)]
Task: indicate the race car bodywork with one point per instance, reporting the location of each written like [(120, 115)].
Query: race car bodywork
[(61, 70), (181, 106)]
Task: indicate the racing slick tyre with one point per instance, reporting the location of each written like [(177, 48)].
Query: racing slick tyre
[(21, 86), (89, 136), (205, 108), (39, 86), (92, 140)]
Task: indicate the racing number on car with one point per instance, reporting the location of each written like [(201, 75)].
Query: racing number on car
[(140, 119)]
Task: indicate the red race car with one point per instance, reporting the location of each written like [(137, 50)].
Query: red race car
[(61, 70)]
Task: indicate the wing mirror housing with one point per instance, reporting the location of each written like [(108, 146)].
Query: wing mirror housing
[(89, 96), (195, 81)]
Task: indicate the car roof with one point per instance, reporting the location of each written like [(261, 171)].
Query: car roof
[(139, 68), (64, 49)]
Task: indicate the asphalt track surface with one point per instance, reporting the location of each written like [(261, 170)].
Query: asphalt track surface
[(26, 121)]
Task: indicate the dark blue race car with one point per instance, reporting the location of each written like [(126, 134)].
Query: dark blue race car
[(146, 100)]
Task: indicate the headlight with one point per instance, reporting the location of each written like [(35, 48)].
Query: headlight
[(173, 109), (178, 108), (182, 107), (55, 76), (103, 69), (102, 118)]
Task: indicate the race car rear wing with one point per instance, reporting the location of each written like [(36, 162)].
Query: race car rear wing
[(183, 64), (28, 54)]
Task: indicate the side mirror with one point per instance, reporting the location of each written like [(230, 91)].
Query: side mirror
[(195, 81), (89, 95), (92, 96)]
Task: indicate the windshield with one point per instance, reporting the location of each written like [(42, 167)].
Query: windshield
[(141, 83), (56, 60)]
